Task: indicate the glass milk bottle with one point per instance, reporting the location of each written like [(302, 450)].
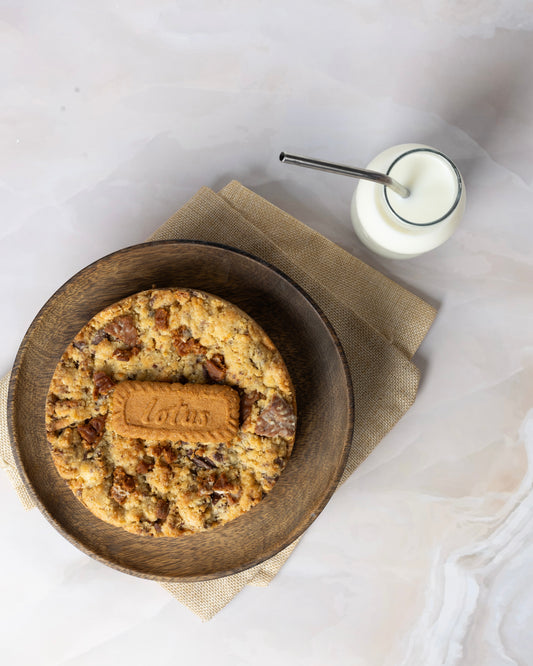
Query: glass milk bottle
[(400, 228)]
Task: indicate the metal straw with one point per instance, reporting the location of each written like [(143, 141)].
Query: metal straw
[(354, 172)]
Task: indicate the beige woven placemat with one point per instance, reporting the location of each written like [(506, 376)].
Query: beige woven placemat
[(379, 324)]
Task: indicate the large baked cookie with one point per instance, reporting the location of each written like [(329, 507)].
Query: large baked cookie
[(170, 413)]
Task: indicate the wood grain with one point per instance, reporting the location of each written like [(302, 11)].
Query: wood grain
[(314, 359)]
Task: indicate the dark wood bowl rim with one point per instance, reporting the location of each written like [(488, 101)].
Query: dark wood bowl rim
[(59, 527)]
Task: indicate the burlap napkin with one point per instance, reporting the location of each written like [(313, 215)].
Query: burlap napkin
[(379, 324)]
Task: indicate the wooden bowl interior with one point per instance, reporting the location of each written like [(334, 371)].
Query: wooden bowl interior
[(315, 362)]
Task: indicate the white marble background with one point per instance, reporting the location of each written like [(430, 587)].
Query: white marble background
[(112, 115)]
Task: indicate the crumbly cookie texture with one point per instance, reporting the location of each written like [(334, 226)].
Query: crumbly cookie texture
[(163, 487)]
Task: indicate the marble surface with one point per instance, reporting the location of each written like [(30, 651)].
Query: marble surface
[(113, 114)]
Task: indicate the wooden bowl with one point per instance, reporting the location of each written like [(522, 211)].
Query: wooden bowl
[(314, 358)]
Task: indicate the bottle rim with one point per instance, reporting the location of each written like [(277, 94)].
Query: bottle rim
[(457, 198)]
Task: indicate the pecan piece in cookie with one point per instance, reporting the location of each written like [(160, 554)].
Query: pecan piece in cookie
[(145, 465), (219, 456), (162, 508), (216, 368), (123, 485), (228, 488), (161, 318), (125, 354), (203, 462), (166, 453), (185, 343), (278, 418), (92, 431), (216, 497), (103, 383), (123, 329), (99, 336), (248, 400), (223, 483)]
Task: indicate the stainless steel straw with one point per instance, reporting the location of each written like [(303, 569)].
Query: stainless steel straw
[(354, 172)]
